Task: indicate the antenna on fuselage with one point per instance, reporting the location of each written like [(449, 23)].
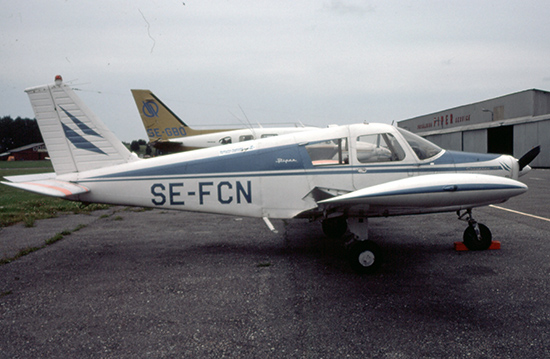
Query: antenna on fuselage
[(248, 121), (246, 117), (247, 125)]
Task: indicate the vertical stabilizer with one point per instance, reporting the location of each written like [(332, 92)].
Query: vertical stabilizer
[(75, 138), (159, 121)]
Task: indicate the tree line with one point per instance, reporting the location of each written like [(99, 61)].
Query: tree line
[(19, 132)]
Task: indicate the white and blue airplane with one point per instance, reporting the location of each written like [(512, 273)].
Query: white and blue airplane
[(169, 134), (341, 176)]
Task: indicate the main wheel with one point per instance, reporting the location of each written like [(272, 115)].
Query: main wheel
[(473, 243), (365, 257), (335, 227)]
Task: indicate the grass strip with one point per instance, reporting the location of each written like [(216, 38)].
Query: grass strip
[(17, 205), (56, 238)]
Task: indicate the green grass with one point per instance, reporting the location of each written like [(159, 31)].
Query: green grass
[(56, 238), (26, 165), (22, 206)]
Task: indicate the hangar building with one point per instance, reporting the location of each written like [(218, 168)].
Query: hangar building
[(32, 152), (510, 124)]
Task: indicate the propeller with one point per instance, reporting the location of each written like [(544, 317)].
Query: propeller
[(528, 157)]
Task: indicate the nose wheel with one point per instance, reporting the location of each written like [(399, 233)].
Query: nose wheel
[(477, 237)]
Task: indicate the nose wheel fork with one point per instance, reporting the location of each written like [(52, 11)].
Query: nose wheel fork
[(477, 236)]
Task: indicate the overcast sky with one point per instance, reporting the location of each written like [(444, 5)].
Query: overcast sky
[(315, 62)]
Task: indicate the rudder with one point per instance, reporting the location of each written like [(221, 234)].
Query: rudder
[(75, 138)]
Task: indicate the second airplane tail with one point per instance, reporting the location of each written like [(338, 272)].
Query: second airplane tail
[(159, 121)]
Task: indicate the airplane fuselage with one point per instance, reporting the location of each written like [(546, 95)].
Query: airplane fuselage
[(189, 143), (286, 176)]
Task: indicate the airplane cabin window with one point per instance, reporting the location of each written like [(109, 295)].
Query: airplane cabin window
[(225, 140), (245, 138), (382, 147), (331, 152), (423, 148), (265, 135)]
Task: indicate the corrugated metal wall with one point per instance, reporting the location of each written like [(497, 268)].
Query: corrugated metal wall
[(528, 135), (473, 124)]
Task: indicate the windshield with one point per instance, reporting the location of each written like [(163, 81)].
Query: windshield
[(423, 148)]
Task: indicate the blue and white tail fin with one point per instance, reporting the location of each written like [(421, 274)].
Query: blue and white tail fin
[(75, 138)]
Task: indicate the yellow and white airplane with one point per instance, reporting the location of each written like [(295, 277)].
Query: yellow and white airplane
[(341, 176), (169, 134)]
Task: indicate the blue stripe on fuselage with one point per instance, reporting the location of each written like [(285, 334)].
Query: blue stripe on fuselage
[(270, 159), (289, 161), (457, 158)]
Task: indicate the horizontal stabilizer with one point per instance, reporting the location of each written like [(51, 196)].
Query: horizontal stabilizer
[(31, 178), (437, 190), (50, 187)]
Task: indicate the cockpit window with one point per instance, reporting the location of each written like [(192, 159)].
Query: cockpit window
[(332, 152), (382, 147), (423, 148)]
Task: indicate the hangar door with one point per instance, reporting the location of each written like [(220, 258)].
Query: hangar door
[(500, 140)]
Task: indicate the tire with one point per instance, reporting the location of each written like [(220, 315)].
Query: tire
[(335, 227), (475, 244), (365, 257)]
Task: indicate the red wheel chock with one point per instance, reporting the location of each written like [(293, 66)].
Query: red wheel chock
[(459, 246)]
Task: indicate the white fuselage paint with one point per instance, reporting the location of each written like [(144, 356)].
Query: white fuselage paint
[(275, 178)]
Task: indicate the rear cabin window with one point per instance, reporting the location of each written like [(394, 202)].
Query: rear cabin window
[(331, 152), (245, 138), (382, 147)]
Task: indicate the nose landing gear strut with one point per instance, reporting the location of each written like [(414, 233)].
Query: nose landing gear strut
[(477, 236)]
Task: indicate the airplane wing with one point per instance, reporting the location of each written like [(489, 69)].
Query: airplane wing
[(433, 191), (45, 184)]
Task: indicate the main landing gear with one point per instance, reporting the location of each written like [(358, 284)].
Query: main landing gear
[(477, 237), (364, 256)]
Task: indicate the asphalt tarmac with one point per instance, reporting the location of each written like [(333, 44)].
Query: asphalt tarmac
[(154, 284)]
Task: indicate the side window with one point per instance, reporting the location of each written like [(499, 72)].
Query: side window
[(382, 147), (331, 152), (265, 135), (245, 138), (225, 140)]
